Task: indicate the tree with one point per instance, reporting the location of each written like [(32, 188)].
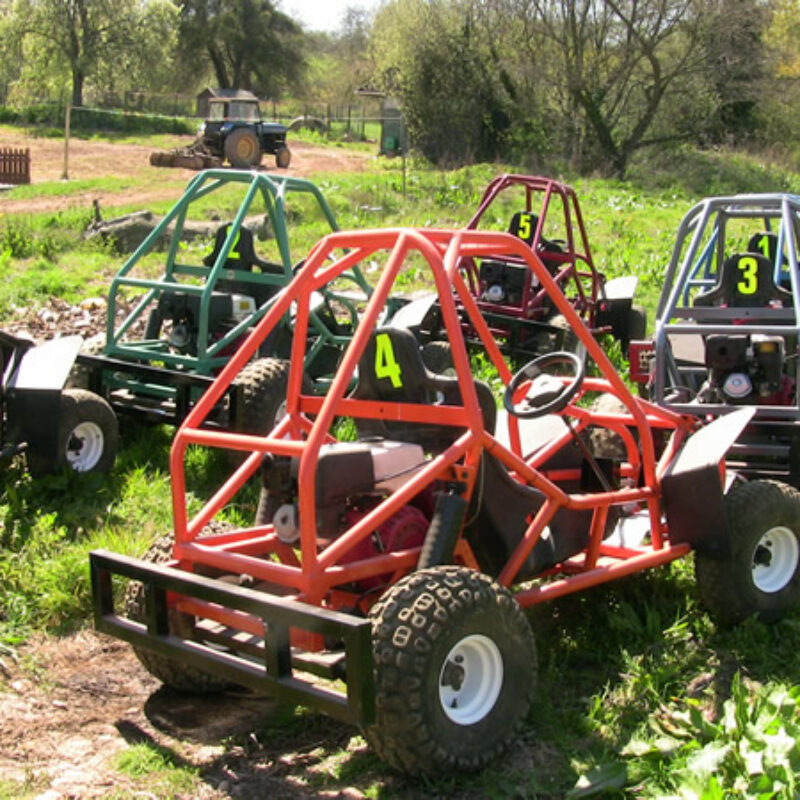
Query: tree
[(247, 43), (619, 62), (77, 35), (433, 56)]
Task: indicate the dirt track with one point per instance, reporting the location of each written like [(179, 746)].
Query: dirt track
[(82, 700), (90, 159)]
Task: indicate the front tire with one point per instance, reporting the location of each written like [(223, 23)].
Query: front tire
[(455, 668), (761, 576), (283, 157), (170, 671)]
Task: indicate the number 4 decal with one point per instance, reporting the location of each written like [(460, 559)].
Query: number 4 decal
[(386, 365)]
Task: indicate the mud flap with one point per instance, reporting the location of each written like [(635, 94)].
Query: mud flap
[(614, 307), (33, 391), (692, 486)]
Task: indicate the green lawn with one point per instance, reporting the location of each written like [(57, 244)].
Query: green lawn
[(640, 694)]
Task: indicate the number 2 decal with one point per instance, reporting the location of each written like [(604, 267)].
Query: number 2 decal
[(748, 268), (386, 365)]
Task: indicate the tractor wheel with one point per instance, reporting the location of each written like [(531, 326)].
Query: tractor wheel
[(283, 157), (171, 672), (88, 436), (242, 149), (455, 669), (761, 576), (438, 358)]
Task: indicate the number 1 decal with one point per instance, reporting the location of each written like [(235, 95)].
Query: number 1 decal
[(764, 244), (748, 267), (386, 365)]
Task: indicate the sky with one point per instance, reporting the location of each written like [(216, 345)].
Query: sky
[(322, 15)]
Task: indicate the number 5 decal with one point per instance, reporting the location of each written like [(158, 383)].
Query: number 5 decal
[(524, 226), (748, 267), (386, 365)]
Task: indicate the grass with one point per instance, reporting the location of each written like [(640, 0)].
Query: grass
[(640, 694)]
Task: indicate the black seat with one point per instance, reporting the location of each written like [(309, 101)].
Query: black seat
[(242, 254), (391, 369), (746, 280)]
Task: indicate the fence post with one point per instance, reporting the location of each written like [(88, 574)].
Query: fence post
[(65, 173)]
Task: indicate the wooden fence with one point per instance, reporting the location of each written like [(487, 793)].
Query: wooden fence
[(15, 165)]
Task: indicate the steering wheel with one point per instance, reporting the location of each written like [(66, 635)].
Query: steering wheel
[(547, 394)]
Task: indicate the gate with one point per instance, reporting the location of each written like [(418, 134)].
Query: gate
[(15, 165)]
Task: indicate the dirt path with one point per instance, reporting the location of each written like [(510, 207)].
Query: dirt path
[(79, 702), (90, 159)]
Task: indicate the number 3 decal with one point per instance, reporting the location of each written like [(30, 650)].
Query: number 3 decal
[(386, 365), (748, 267)]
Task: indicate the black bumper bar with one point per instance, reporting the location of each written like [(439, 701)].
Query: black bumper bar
[(275, 672)]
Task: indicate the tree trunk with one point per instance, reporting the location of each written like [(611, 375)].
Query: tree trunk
[(78, 79)]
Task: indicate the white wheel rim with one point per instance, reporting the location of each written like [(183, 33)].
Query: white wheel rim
[(470, 679), (775, 559), (85, 446)]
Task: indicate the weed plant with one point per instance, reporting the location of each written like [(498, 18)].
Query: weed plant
[(640, 693)]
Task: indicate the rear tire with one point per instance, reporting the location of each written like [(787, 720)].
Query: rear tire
[(170, 671), (88, 436), (264, 383), (455, 668), (761, 576), (242, 149), (637, 324)]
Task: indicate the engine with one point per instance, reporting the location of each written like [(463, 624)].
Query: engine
[(746, 369), (182, 312), (502, 283), (352, 478)]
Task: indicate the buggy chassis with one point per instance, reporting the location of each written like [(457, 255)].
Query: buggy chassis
[(189, 313), (511, 299), (728, 324), (332, 584)]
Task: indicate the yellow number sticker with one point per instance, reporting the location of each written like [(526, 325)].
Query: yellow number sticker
[(524, 226), (386, 365), (748, 267), (764, 244)]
